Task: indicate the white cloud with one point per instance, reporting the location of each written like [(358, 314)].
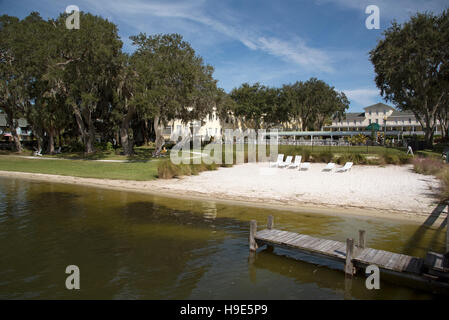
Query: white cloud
[(296, 51), (399, 10), (364, 97)]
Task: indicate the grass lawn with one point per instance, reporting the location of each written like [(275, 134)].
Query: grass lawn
[(81, 168)]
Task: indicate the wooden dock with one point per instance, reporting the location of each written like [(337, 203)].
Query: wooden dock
[(434, 268)]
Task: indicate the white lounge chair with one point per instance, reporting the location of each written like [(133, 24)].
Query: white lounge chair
[(347, 167), (329, 166), (305, 166), (280, 160), (38, 152), (296, 163), (286, 163)]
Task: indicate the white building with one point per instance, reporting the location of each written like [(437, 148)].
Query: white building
[(210, 126), (383, 115)]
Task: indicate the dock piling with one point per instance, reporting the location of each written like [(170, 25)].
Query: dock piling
[(270, 223), (447, 234), (252, 234), (349, 266), (362, 239)]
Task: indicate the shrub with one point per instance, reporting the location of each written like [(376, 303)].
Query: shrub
[(356, 158), (324, 156), (305, 155), (428, 166), (166, 170), (391, 158), (444, 178)]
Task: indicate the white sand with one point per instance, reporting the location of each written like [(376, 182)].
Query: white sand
[(392, 188), (391, 191)]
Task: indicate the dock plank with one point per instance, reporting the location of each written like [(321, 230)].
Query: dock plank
[(366, 256)]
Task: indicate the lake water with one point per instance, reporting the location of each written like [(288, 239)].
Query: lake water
[(137, 246)]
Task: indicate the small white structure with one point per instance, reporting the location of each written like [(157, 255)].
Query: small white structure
[(347, 167), (329, 166), (296, 163), (305, 166), (279, 161), (288, 161)]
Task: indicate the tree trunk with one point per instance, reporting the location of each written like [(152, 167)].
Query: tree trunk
[(87, 134), (146, 137), (126, 141), (15, 136), (159, 138), (51, 141)]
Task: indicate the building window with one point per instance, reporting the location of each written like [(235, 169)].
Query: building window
[(377, 121), (355, 122), (369, 121), (370, 113), (409, 120)]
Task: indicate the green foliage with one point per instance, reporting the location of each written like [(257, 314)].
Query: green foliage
[(444, 179), (412, 67), (323, 156), (312, 103), (428, 166), (355, 158), (167, 170), (257, 104)]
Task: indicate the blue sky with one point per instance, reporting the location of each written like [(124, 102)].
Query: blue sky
[(271, 42)]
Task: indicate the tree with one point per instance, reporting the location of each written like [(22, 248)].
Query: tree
[(257, 105), (173, 82), (13, 81), (82, 66), (313, 103), (412, 67)]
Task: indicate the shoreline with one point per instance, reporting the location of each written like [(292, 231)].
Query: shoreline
[(161, 188)]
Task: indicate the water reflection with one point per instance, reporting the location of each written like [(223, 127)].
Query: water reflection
[(135, 246)]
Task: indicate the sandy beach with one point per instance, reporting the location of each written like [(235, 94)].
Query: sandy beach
[(390, 191)]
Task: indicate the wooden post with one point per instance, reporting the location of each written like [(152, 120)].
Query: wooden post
[(447, 234), (270, 223), (348, 287), (362, 239), (270, 226), (349, 267), (252, 234)]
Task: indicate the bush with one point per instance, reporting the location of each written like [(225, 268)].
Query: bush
[(391, 158), (75, 146), (324, 156), (355, 158), (305, 155), (166, 170), (429, 166), (444, 178)]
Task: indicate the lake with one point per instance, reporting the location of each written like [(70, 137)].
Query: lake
[(138, 246)]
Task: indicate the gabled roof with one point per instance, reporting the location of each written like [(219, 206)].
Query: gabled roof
[(354, 115), (402, 114), (379, 105)]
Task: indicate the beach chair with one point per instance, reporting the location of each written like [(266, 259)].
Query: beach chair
[(347, 167), (329, 166), (296, 163), (286, 163), (279, 160), (38, 152), (305, 166)]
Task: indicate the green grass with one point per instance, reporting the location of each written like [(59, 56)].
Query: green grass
[(80, 168)]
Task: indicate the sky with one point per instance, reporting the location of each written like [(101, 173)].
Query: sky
[(270, 42)]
